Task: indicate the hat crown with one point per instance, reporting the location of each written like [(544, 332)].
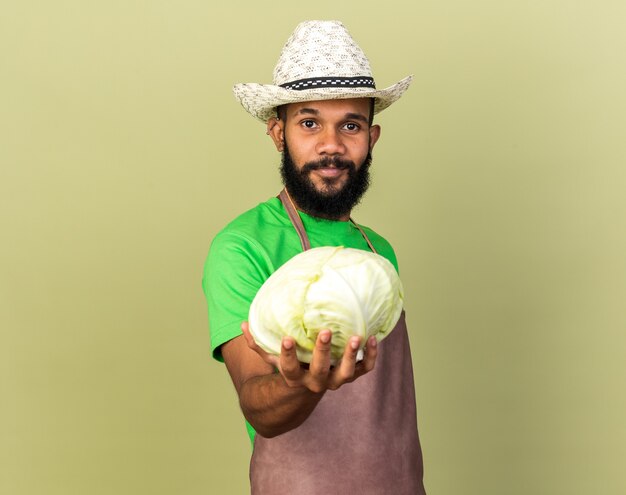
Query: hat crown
[(320, 49)]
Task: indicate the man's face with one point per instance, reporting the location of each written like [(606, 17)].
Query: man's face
[(326, 154)]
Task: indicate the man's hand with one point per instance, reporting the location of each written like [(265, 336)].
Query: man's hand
[(319, 376)]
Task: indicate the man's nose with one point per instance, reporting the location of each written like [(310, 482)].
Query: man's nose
[(330, 143)]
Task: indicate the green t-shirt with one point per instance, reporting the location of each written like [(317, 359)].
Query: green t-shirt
[(254, 245)]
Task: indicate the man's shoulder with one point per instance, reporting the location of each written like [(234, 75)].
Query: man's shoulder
[(382, 245), (253, 222), (377, 239), (373, 234), (260, 233)]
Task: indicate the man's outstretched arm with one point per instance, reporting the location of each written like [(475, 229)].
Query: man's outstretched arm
[(276, 393)]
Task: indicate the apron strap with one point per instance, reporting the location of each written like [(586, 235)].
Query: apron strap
[(299, 226), (295, 219), (367, 239)]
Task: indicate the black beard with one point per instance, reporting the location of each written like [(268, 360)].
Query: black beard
[(330, 203)]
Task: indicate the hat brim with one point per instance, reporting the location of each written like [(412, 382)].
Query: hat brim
[(261, 100)]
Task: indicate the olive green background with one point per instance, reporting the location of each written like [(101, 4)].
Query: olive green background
[(499, 178)]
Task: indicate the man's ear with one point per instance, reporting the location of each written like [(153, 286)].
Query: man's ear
[(275, 131), (374, 135)]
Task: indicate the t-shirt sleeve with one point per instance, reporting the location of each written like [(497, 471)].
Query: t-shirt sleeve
[(235, 269)]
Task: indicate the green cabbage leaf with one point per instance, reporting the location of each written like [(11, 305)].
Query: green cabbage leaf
[(349, 291)]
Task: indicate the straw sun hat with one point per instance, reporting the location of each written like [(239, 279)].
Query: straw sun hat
[(320, 61)]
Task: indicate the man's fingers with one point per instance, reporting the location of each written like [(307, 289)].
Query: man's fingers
[(319, 367), (320, 362), (289, 365), (268, 358), (344, 372), (245, 328), (319, 376), (369, 355)]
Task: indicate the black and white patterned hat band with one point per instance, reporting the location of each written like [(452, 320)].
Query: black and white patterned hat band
[(320, 61), (331, 82)]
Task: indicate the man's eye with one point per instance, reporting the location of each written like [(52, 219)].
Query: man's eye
[(309, 124), (351, 126)]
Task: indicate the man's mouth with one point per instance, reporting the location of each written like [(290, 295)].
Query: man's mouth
[(329, 171)]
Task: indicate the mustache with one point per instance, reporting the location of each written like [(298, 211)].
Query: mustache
[(328, 162)]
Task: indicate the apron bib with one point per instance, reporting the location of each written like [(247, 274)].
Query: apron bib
[(361, 438)]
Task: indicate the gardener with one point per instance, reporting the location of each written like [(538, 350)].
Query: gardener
[(315, 429)]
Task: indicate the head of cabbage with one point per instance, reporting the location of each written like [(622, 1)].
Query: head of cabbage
[(349, 291)]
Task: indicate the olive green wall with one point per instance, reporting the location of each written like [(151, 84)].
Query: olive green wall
[(499, 178)]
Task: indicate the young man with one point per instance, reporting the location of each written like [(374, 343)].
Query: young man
[(315, 429)]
